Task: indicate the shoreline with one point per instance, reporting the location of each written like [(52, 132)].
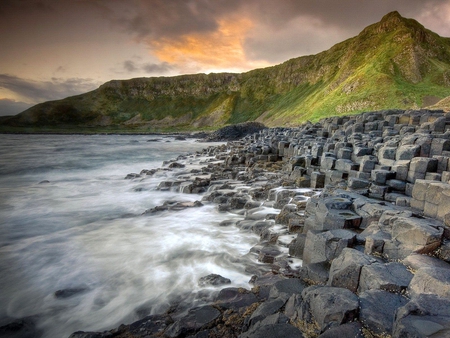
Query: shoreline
[(374, 242), (367, 201)]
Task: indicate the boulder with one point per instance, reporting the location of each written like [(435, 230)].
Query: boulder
[(286, 288), (328, 306), (431, 280), (196, 320), (345, 270), (417, 261), (423, 316), (214, 280), (269, 307), (326, 246), (412, 235), (234, 298), (392, 277), (353, 330), (377, 310)]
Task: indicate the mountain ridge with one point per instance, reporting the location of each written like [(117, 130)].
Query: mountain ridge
[(394, 63)]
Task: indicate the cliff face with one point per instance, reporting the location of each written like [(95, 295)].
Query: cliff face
[(395, 63)]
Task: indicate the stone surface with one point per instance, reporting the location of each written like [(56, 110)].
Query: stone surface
[(325, 246), (345, 270), (377, 310), (424, 316), (431, 280), (328, 306), (392, 277)]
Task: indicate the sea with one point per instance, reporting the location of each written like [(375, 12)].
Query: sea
[(76, 251)]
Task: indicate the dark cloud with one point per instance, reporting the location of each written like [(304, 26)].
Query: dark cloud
[(11, 107), (35, 91), (157, 68), (282, 29), (130, 66), (170, 18), (8, 6), (149, 68)]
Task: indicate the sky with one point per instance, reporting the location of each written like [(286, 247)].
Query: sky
[(51, 49)]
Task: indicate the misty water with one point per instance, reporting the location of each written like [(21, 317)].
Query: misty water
[(70, 221)]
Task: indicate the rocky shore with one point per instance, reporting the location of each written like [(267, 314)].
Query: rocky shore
[(362, 201)]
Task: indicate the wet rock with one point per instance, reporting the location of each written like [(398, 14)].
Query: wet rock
[(274, 331), (67, 293), (174, 206), (297, 246), (214, 280), (197, 319), (176, 165), (132, 176), (20, 328), (269, 307), (235, 298), (286, 288)]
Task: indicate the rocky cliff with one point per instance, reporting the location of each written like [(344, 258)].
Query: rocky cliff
[(395, 63)]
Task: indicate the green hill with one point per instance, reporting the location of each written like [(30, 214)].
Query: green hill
[(395, 63)]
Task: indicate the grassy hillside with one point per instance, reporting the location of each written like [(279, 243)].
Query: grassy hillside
[(395, 63)]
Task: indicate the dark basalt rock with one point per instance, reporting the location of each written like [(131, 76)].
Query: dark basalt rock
[(214, 280), (67, 293), (235, 132)]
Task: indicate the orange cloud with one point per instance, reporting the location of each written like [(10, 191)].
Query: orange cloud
[(221, 50)]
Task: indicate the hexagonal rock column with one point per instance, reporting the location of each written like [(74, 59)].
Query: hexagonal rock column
[(326, 246)]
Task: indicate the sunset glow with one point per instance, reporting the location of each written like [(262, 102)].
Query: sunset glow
[(221, 50)]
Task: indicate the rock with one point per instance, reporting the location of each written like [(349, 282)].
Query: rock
[(297, 246), (22, 328), (431, 280), (150, 325), (377, 310), (286, 288), (326, 246), (345, 270), (214, 280), (412, 235), (176, 165), (132, 176), (196, 320), (67, 293), (392, 277), (353, 330), (328, 306), (275, 331), (175, 206), (235, 132), (269, 307), (424, 316), (416, 261), (315, 273), (234, 298)]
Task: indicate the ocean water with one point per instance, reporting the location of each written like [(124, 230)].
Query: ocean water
[(70, 221)]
